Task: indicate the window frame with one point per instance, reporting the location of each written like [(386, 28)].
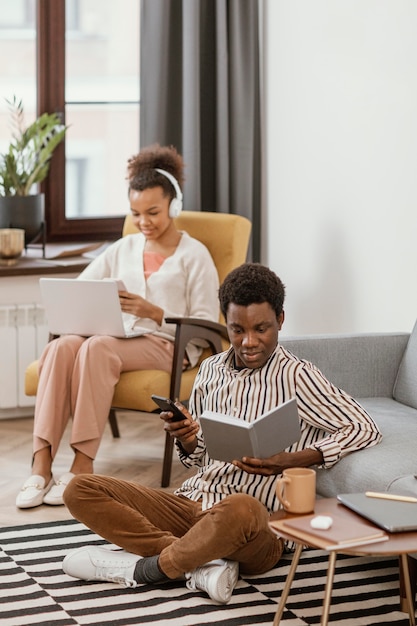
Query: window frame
[(50, 79)]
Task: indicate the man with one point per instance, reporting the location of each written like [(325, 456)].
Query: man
[(217, 522)]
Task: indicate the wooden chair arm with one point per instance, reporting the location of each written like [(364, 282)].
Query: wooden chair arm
[(200, 323), (189, 328)]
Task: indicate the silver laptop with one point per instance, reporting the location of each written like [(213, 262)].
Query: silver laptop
[(392, 515), (84, 307)]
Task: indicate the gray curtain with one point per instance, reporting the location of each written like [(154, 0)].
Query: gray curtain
[(200, 92)]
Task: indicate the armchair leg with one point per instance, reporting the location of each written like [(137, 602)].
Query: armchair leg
[(168, 451), (167, 462), (113, 424)]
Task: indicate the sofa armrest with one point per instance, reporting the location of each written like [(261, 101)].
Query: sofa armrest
[(363, 365)]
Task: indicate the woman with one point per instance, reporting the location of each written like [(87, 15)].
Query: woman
[(166, 273)]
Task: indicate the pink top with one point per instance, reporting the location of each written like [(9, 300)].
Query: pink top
[(152, 261)]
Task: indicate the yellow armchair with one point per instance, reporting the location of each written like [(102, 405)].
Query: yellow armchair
[(226, 237)]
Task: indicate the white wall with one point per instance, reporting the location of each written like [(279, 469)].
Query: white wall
[(341, 180)]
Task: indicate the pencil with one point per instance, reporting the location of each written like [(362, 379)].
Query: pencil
[(390, 496)]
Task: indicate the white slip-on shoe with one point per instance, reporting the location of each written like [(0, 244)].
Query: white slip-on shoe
[(102, 564), (218, 578), (33, 492), (55, 495)]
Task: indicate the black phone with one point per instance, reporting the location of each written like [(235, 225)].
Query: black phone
[(166, 404)]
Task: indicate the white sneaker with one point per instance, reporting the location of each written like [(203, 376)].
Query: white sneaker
[(217, 578), (55, 495), (97, 563)]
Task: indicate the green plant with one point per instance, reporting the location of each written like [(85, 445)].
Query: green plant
[(28, 158)]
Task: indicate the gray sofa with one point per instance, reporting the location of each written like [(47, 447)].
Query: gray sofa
[(380, 371)]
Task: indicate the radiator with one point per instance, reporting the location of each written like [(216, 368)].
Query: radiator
[(23, 335)]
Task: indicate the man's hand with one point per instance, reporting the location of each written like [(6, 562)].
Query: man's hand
[(266, 467), (276, 464), (185, 431)]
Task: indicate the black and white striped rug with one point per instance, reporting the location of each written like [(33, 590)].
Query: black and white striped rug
[(34, 589)]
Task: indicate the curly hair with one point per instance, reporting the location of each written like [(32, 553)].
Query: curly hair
[(141, 169), (252, 283)]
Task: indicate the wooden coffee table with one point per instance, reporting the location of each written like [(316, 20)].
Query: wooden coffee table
[(398, 544)]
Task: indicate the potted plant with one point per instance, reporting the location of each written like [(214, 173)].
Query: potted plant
[(24, 165)]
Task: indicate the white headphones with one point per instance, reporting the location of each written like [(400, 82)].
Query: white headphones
[(175, 206)]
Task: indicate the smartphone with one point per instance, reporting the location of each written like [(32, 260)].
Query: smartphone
[(166, 404), (120, 285)]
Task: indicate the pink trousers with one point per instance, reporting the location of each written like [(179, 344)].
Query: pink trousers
[(152, 522), (77, 376)]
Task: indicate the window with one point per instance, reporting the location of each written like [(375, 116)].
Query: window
[(18, 15), (101, 104), (87, 54), (18, 74)]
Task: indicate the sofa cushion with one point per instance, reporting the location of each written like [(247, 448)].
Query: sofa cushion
[(405, 388), (364, 365), (376, 468), (404, 485)]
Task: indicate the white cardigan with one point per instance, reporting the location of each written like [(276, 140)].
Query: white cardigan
[(186, 284)]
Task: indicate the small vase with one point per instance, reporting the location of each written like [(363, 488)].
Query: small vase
[(26, 212)]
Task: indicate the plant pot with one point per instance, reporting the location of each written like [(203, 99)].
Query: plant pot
[(27, 212)]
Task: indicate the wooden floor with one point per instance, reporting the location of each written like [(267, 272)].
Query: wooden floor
[(137, 455)]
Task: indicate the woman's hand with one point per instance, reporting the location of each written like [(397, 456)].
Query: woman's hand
[(185, 431), (139, 307)]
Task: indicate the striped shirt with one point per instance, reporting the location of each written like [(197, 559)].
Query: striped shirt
[(331, 421)]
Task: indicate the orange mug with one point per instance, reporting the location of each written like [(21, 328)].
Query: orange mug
[(296, 490)]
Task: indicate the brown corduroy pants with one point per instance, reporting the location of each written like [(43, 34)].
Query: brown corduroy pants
[(148, 522)]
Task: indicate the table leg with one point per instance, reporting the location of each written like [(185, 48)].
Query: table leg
[(288, 582), (328, 589), (407, 588), (412, 568)]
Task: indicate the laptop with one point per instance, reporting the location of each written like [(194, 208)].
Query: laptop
[(84, 307), (394, 516)]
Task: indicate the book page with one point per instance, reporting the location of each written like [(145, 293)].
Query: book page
[(67, 250)]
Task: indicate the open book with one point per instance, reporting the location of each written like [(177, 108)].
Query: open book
[(228, 438), (344, 533), (65, 250)]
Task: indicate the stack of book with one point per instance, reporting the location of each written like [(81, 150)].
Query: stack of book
[(343, 533)]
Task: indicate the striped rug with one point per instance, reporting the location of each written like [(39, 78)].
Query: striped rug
[(34, 589)]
